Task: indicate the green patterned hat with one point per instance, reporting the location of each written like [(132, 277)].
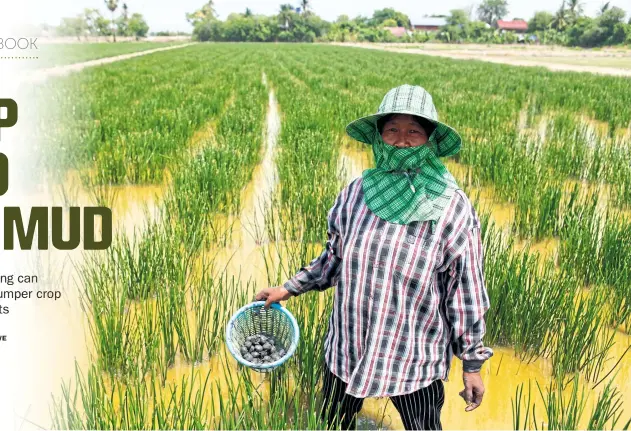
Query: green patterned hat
[(413, 100)]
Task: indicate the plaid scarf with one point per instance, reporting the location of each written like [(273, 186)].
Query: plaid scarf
[(408, 184)]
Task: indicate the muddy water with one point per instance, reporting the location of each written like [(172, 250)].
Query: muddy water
[(52, 348), (353, 160), (260, 190), (243, 254), (245, 257), (248, 256), (133, 206), (484, 199), (501, 375)]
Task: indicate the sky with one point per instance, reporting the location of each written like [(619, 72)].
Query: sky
[(162, 15)]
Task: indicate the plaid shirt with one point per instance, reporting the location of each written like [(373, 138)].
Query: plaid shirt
[(408, 297)]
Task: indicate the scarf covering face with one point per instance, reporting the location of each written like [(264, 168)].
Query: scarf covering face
[(408, 184)]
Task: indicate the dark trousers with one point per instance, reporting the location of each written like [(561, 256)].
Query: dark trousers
[(419, 410)]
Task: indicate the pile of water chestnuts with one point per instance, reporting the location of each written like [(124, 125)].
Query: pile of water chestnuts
[(261, 349)]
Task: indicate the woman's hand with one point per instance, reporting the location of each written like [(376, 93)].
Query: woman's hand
[(273, 294), (473, 390)]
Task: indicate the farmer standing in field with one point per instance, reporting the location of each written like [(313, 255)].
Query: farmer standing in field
[(405, 254)]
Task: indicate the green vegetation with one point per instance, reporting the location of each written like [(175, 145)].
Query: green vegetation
[(553, 145), (568, 26), (119, 133), (92, 23), (564, 411), (58, 54)]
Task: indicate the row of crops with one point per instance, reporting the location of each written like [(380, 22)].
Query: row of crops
[(194, 119)]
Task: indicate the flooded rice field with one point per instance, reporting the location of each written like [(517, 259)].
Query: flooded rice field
[(198, 232)]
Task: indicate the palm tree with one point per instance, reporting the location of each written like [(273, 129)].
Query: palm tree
[(123, 25), (575, 8), (208, 9), (205, 13), (304, 5), (112, 5), (560, 18), (284, 17)]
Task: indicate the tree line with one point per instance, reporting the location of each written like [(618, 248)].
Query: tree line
[(568, 26), (298, 23)]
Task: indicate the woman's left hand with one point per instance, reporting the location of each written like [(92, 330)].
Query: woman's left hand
[(473, 390)]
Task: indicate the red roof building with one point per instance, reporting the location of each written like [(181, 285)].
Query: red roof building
[(518, 26)]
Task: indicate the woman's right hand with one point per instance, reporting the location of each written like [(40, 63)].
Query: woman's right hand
[(273, 294)]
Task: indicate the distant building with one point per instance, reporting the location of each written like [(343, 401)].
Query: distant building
[(518, 26), (428, 24), (397, 31)]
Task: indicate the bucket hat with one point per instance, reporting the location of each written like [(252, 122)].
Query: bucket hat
[(412, 100)]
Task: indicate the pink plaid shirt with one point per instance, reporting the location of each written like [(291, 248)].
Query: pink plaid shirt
[(407, 297)]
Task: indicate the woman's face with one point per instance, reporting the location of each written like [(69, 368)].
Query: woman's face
[(402, 130)]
